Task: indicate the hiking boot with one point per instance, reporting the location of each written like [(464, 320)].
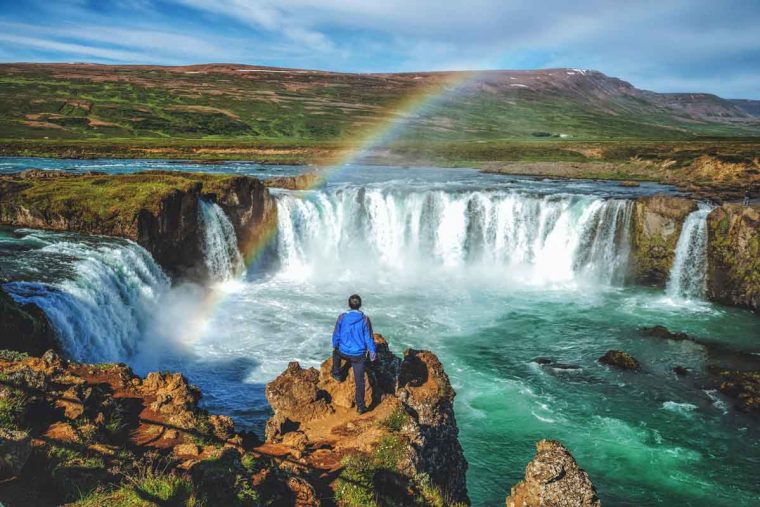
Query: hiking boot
[(362, 410), (337, 378)]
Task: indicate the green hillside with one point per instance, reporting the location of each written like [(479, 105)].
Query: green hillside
[(233, 102)]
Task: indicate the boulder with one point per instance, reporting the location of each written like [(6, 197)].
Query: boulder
[(223, 426), (743, 387), (681, 371), (173, 397), (553, 479), (295, 398), (663, 333), (620, 359)]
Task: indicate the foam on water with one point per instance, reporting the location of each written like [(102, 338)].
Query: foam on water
[(101, 312)]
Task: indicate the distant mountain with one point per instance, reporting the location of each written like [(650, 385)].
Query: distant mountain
[(247, 102), (749, 106)]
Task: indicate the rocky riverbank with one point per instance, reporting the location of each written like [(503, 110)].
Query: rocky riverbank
[(158, 210), (97, 434)]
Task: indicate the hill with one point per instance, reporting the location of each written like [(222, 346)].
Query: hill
[(247, 103)]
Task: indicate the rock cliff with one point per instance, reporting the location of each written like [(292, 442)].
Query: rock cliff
[(103, 436), (733, 254), (657, 224), (405, 448), (24, 328), (157, 209), (553, 479)]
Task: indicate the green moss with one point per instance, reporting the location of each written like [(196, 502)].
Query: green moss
[(12, 355), (152, 490), (14, 405), (104, 203), (396, 420)]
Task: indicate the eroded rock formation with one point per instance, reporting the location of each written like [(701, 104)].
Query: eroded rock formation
[(407, 443), (157, 209), (657, 223), (96, 431), (553, 479), (733, 253)]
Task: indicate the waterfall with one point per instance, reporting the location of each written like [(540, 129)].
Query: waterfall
[(100, 310), (688, 276), (542, 239), (220, 249)]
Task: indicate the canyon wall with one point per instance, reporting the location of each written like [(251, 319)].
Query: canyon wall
[(157, 209), (734, 256), (657, 224)]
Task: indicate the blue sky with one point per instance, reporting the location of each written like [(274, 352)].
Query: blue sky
[(665, 45)]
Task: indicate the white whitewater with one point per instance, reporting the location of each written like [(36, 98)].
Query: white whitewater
[(220, 249), (537, 239), (100, 312), (688, 276)]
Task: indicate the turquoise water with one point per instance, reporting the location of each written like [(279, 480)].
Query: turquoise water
[(490, 273)]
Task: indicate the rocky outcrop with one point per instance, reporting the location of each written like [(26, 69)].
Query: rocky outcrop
[(657, 223), (96, 431), (407, 445), (159, 210), (620, 359), (553, 479), (305, 181), (743, 387), (733, 255), (99, 433), (24, 328)]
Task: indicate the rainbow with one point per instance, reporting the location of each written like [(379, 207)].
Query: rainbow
[(386, 129)]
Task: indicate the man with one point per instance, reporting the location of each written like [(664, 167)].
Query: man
[(352, 340), (746, 198)]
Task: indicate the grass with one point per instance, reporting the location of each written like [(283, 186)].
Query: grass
[(152, 489), (105, 103), (396, 420), (14, 405), (112, 202)]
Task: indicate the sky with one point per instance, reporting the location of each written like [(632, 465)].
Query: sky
[(664, 45)]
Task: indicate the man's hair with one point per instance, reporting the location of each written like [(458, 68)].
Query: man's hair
[(355, 301)]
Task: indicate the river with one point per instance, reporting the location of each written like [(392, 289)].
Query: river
[(490, 272)]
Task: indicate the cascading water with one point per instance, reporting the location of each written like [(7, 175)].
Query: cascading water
[(688, 276), (100, 310), (220, 249), (549, 239)]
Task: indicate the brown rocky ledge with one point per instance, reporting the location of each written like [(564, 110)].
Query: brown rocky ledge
[(405, 451), (99, 435)]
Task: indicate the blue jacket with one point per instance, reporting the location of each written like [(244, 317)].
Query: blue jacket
[(353, 334)]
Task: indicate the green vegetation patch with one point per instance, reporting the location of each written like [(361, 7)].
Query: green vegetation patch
[(97, 200)]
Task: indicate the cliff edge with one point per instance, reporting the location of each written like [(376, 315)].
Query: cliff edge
[(159, 210), (404, 451)]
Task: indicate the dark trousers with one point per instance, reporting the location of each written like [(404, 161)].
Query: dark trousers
[(357, 363)]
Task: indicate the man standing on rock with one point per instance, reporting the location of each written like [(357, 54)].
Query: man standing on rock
[(353, 340), (747, 198)]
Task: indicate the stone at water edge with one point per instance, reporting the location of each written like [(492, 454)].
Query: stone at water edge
[(744, 388), (620, 359), (553, 479)]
